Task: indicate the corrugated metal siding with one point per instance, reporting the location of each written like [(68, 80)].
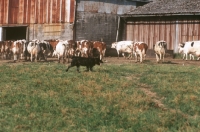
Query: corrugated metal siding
[(173, 31), (36, 11)]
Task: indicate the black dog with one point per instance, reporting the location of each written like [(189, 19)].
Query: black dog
[(83, 61)]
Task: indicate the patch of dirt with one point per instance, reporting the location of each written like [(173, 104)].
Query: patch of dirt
[(116, 60)]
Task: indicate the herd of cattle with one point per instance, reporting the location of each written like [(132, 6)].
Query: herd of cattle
[(191, 48), (139, 49), (42, 49)]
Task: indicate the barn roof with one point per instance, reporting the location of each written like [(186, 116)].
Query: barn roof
[(167, 7)]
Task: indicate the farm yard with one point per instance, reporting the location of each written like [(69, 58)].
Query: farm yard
[(119, 95), (159, 93)]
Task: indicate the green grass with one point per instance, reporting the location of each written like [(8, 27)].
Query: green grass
[(43, 97)]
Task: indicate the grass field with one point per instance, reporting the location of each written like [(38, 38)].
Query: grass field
[(115, 97)]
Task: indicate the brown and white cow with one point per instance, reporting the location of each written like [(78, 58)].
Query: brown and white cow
[(85, 47), (140, 50), (17, 49), (71, 47), (1, 48), (6, 49), (53, 43), (34, 49), (159, 49), (99, 47), (78, 48)]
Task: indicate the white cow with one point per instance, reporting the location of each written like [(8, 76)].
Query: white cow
[(123, 47), (190, 47), (61, 51), (159, 49), (34, 49)]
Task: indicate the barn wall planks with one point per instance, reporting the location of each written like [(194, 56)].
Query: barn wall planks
[(174, 30), (36, 11), (51, 31)]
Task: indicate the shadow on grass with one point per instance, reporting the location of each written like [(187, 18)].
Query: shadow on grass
[(168, 62)]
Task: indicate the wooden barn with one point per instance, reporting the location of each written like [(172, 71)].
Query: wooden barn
[(36, 19), (63, 19), (174, 21)]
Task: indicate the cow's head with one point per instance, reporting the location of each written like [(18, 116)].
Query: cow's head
[(113, 45), (163, 44), (181, 47)]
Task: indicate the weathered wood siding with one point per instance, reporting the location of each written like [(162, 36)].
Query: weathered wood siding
[(44, 19), (36, 11), (171, 29)]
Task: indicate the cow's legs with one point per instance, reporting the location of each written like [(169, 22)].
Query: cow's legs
[(15, 57), (101, 56), (21, 56), (141, 57), (136, 57), (186, 55), (45, 56), (36, 56), (18, 57), (157, 58), (123, 55), (163, 56), (118, 54), (58, 58), (160, 57), (31, 57), (191, 57)]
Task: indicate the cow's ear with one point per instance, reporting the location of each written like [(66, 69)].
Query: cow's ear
[(192, 44), (182, 45)]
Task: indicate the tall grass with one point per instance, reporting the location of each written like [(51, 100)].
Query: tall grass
[(43, 97)]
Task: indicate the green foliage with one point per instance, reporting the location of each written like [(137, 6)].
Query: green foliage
[(127, 97)]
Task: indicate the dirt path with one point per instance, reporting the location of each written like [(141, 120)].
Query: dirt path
[(115, 60)]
